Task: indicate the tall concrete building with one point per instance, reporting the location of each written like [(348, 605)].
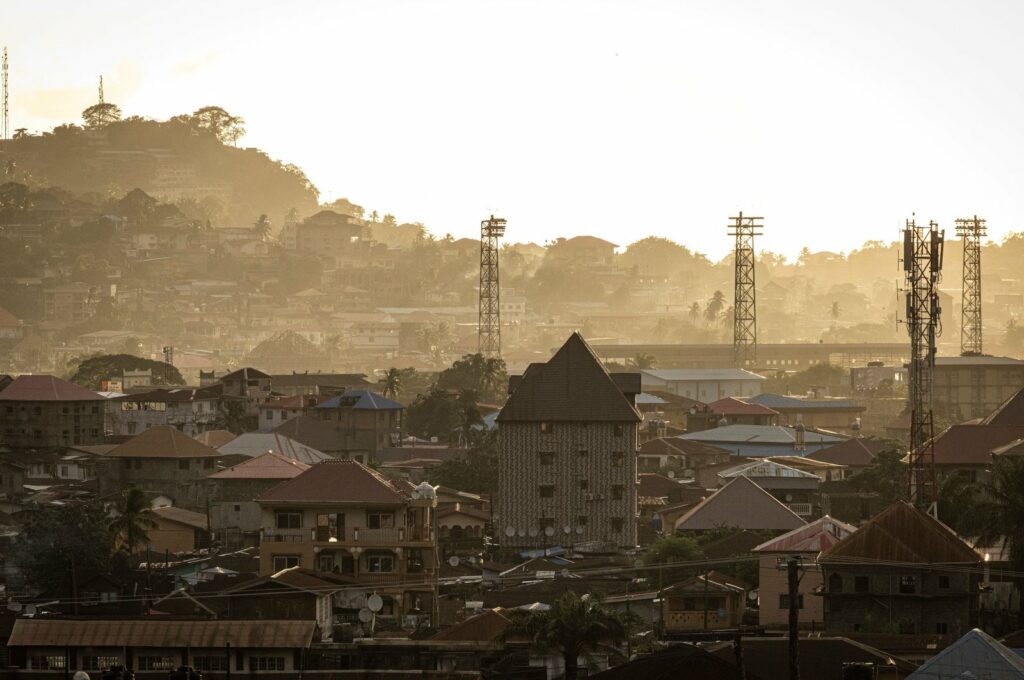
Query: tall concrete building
[(567, 454)]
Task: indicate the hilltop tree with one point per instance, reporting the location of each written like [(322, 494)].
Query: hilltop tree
[(101, 115), (226, 128), (93, 370)]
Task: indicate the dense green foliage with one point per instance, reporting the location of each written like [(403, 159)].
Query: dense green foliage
[(475, 472), (93, 370), (58, 539), (484, 376)]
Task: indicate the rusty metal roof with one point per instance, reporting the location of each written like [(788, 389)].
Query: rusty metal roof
[(162, 634)]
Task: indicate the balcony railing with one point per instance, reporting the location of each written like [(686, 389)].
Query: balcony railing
[(356, 535), (802, 509)]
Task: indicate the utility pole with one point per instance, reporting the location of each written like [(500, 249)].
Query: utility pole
[(489, 320), (970, 230), (744, 329), (793, 581), (922, 265)]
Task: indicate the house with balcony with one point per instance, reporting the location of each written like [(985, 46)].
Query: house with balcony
[(796, 489), (190, 410), (366, 421), (342, 517)]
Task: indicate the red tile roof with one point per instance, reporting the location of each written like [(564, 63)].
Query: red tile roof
[(902, 533), (163, 442), (268, 466), (973, 444), (46, 388), (731, 406), (487, 626), (8, 320), (196, 520), (336, 481), (215, 438)]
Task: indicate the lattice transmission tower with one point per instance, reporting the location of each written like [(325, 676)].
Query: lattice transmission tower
[(489, 321), (5, 125), (922, 265), (970, 230), (744, 328)]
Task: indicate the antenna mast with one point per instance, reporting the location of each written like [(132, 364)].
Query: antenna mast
[(6, 123), (101, 89), (970, 230), (744, 329), (489, 321), (922, 265)]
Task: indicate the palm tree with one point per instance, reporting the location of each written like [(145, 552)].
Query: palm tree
[(999, 517), (261, 227), (392, 382), (715, 306), (642, 361), (574, 625), (694, 312), (469, 416), (134, 518)]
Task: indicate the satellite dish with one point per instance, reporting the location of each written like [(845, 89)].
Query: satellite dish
[(14, 606), (549, 531), (565, 573), (533, 531), (453, 560), (567, 529), (80, 675), (522, 532), (365, 615), (579, 530), (375, 603), (415, 494), (30, 609), (359, 601), (510, 531), (671, 474)]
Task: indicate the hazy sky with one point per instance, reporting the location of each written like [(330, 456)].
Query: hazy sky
[(834, 120)]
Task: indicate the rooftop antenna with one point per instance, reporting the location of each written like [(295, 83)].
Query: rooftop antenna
[(744, 329), (922, 265), (489, 320), (970, 230), (101, 89)]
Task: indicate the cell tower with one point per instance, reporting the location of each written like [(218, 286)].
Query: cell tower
[(101, 90), (744, 329), (922, 265), (169, 354), (970, 230), (489, 323), (5, 125)]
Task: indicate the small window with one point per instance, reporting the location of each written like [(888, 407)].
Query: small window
[(545, 522), (784, 601), (908, 584), (619, 430), (861, 584), (617, 524), (285, 562), (266, 663), (380, 564), (547, 491), (100, 663), (581, 521), (584, 485), (238, 508), (380, 520), (289, 520), (835, 583), (547, 458), (617, 492), (183, 464), (941, 628), (547, 428), (583, 453), (218, 662), (618, 458), (944, 581)]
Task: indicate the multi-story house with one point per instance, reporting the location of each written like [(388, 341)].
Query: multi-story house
[(904, 571), (340, 516), (251, 385), (328, 233), (188, 409), (42, 411), (567, 454), (71, 303), (162, 461), (366, 421)]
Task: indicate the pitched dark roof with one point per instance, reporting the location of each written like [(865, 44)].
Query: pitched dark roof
[(676, 662), (858, 452), (163, 442), (572, 386), (784, 402), (163, 634), (247, 373), (731, 406), (176, 394), (674, 446), (820, 658), (196, 520), (268, 466), (361, 399), (321, 380), (311, 432), (905, 534), (487, 626), (336, 481), (46, 388), (973, 444), (1010, 412), (742, 504)]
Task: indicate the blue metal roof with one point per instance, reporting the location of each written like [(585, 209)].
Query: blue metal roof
[(364, 399), (783, 401)]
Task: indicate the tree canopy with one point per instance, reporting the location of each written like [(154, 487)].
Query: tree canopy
[(55, 540), (93, 370)]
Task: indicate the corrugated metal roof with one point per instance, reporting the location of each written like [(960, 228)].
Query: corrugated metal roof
[(1010, 412), (977, 651), (743, 504), (759, 434), (766, 468), (854, 452), (363, 400), (814, 537), (46, 388), (731, 406), (255, 444), (700, 374), (196, 520), (268, 466), (162, 634), (336, 481), (163, 442), (778, 401)]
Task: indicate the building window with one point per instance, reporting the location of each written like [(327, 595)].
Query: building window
[(545, 522), (835, 583), (547, 491), (581, 521), (380, 520), (50, 662), (619, 430), (210, 663), (908, 584), (547, 428), (100, 663), (583, 453), (380, 564), (941, 628), (208, 463), (861, 584), (617, 524), (784, 601), (547, 458), (618, 458), (944, 581), (289, 520), (183, 464), (584, 484), (617, 492), (156, 663), (266, 663), (285, 562)]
